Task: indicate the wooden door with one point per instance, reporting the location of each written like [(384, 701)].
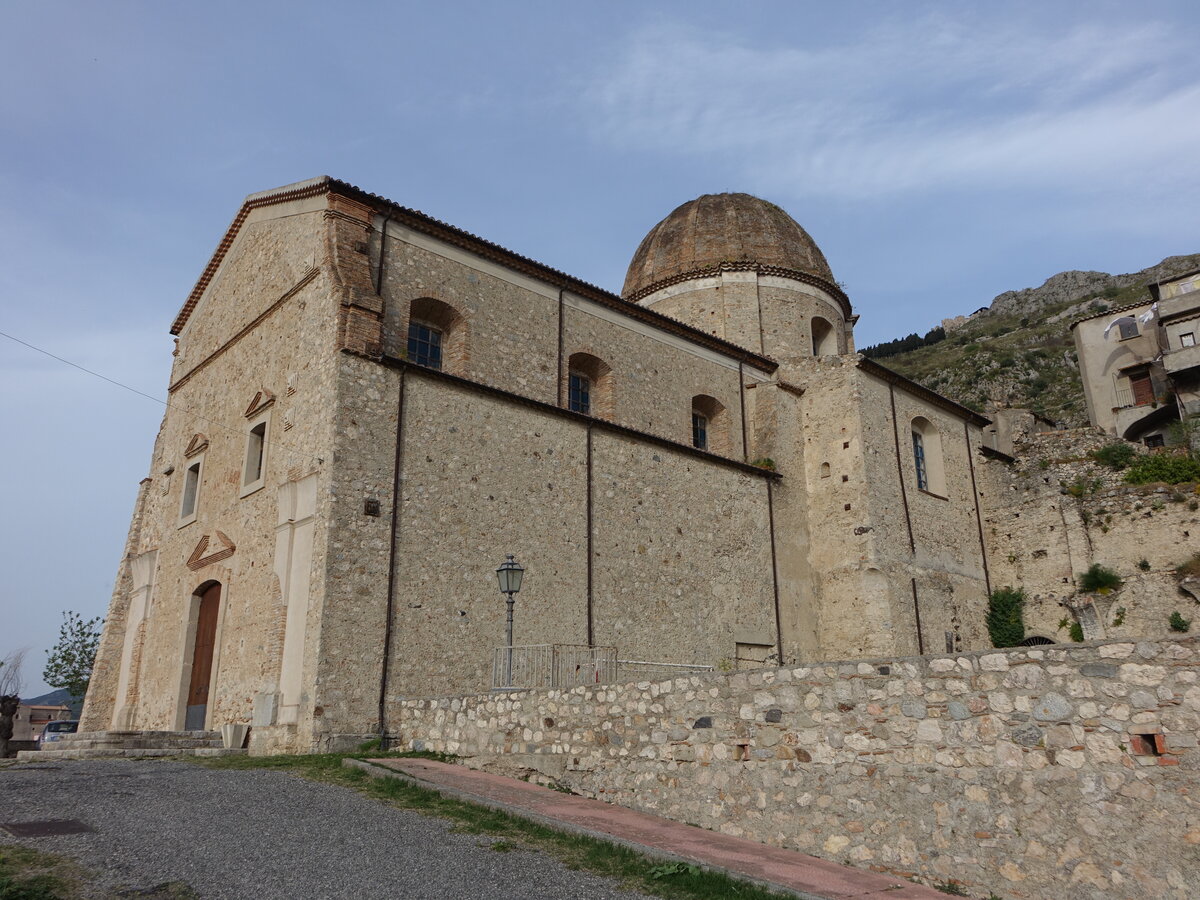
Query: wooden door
[(202, 658), (1143, 390)]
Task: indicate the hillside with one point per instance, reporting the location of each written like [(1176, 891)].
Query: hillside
[(1018, 351)]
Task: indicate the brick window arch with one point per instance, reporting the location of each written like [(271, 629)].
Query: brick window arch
[(590, 386), (710, 424), (437, 336)]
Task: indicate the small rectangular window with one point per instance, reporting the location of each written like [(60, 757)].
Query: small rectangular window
[(191, 493), (579, 394), (256, 445), (1187, 339), (699, 431), (919, 457), (1155, 440), (424, 345), (1128, 328)]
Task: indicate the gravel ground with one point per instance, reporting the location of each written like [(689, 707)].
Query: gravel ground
[(267, 835)]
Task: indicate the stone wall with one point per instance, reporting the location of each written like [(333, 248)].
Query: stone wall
[(1054, 511), (1059, 771)]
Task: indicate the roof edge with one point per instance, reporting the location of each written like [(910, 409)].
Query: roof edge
[(466, 240), (893, 377), (296, 191)]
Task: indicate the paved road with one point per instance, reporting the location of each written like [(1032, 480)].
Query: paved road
[(266, 835)]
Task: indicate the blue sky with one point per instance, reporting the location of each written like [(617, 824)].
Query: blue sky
[(938, 153)]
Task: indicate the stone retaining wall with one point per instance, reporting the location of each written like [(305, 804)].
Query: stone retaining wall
[(1061, 771)]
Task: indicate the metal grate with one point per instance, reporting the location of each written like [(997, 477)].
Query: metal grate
[(47, 828)]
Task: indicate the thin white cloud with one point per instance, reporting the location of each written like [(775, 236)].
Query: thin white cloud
[(911, 105)]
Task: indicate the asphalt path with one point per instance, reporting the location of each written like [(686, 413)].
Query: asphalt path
[(266, 835)]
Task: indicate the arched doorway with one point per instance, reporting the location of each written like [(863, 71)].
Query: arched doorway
[(202, 657)]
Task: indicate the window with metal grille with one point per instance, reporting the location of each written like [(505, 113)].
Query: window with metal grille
[(424, 345), (579, 394), (919, 457), (699, 431)]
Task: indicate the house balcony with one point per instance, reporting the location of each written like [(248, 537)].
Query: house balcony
[(1182, 359), (1181, 305), (1132, 419)]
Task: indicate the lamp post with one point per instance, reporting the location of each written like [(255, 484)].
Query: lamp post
[(509, 574)]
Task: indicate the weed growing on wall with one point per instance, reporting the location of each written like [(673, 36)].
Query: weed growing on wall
[(1099, 579), (1005, 617), (1077, 632), (1115, 456), (1178, 622)]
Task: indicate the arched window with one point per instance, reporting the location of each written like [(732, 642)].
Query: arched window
[(710, 429), (824, 339), (437, 336), (927, 457), (590, 386)]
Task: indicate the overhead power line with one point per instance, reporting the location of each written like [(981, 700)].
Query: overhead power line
[(166, 403)]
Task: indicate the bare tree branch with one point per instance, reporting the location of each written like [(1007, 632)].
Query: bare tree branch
[(11, 681)]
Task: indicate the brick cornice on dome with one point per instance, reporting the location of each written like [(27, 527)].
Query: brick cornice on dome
[(727, 232)]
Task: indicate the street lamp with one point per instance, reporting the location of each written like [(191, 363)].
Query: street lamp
[(509, 574)]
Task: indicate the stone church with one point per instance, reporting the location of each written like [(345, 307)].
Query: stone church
[(370, 408)]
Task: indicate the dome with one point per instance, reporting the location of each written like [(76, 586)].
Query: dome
[(718, 229)]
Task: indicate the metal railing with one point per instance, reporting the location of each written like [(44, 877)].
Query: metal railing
[(553, 666), (639, 670), (1126, 399)]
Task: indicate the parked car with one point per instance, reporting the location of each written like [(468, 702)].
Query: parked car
[(55, 730)]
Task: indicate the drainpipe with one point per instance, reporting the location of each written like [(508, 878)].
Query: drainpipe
[(391, 581)]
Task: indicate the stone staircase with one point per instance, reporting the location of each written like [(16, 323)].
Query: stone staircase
[(131, 745)]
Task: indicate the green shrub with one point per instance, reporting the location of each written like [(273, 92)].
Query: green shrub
[(1077, 632), (1005, 621), (1115, 456), (1178, 622), (1170, 468), (1144, 565), (1099, 578)]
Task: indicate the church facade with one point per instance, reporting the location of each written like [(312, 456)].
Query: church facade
[(370, 408)]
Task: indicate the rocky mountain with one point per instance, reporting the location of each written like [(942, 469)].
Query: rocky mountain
[(1018, 350)]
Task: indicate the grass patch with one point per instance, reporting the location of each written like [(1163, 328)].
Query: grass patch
[(631, 869), (27, 874)]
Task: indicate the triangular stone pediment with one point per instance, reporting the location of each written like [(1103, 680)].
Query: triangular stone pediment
[(198, 444), (207, 553), (261, 401)]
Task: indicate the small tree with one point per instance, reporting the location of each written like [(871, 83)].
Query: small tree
[(69, 662), (1005, 619), (10, 696)]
